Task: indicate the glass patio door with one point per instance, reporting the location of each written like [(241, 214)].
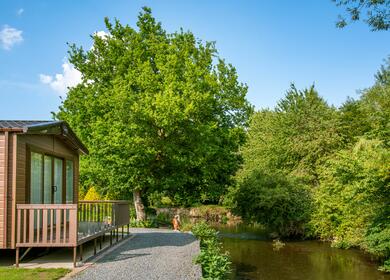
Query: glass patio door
[(58, 181), (36, 178), (46, 182)]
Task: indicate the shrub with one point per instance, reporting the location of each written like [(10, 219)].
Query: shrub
[(352, 202), (215, 264), (163, 219), (92, 194), (281, 205), (148, 223)]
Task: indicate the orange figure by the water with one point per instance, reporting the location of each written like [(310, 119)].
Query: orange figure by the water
[(176, 222)]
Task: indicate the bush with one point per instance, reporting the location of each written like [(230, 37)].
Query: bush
[(92, 194), (164, 219), (148, 223), (215, 264), (352, 203), (281, 205)]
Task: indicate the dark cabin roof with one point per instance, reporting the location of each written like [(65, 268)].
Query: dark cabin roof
[(57, 128)]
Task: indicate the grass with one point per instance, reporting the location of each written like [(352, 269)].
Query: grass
[(11, 273)]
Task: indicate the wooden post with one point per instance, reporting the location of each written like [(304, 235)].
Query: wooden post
[(100, 242), (123, 229), (94, 246), (110, 237), (81, 252), (17, 257), (74, 256), (117, 233)]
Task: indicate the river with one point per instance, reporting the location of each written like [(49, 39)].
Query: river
[(254, 257)]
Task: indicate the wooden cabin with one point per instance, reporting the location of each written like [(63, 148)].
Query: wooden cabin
[(39, 175)]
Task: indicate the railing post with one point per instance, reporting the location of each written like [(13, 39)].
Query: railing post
[(74, 256), (81, 252), (18, 226), (17, 257)]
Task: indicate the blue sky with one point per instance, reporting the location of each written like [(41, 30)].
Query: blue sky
[(271, 43)]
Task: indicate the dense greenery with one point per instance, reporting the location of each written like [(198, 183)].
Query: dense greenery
[(280, 205), (215, 264), (314, 170), (376, 13), (158, 112), (352, 203), (165, 118)]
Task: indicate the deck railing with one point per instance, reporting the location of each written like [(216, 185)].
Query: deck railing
[(46, 225), (68, 225), (101, 216)]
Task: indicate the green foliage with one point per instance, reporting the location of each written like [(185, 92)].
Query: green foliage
[(92, 194), (368, 116), (148, 223), (283, 206), (164, 219), (157, 111), (215, 264), (284, 148), (316, 170), (159, 199), (293, 138), (376, 13), (352, 202)]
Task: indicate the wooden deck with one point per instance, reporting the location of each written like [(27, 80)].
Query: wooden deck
[(68, 225)]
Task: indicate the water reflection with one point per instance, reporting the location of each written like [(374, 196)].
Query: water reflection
[(254, 258)]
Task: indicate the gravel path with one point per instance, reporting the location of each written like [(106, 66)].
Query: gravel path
[(150, 254)]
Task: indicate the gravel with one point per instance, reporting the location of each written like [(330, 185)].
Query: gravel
[(150, 254)]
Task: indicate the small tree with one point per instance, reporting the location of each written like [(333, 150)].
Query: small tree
[(156, 113)]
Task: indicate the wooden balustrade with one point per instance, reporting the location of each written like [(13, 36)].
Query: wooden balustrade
[(109, 212), (68, 225), (46, 225)]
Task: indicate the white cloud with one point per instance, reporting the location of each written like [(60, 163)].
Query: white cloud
[(60, 83), (46, 79), (10, 36), (20, 12), (70, 76), (101, 34)]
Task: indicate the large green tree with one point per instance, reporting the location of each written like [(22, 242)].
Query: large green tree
[(284, 148), (158, 111), (376, 13), (292, 138)]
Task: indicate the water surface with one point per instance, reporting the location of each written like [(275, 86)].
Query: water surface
[(253, 257)]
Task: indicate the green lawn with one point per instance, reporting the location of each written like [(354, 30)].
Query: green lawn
[(34, 273)]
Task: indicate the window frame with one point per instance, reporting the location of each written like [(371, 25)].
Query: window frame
[(34, 149)]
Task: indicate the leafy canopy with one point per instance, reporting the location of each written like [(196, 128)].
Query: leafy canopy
[(158, 111), (376, 13)]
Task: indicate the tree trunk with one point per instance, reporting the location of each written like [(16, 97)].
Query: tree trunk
[(139, 206)]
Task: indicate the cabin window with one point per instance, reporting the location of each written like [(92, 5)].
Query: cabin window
[(51, 179)]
